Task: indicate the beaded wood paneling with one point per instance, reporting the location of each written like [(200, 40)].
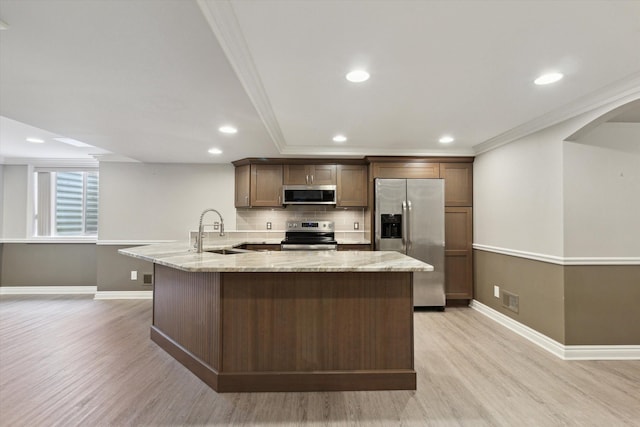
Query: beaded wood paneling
[(187, 309)]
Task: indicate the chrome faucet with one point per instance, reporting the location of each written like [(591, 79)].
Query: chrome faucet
[(200, 236)]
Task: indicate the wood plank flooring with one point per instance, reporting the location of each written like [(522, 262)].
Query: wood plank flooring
[(70, 360)]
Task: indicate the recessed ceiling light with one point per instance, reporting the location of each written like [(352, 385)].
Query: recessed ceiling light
[(73, 142), (35, 140), (549, 78), (357, 76), (228, 129), (215, 151), (446, 139), (339, 138)]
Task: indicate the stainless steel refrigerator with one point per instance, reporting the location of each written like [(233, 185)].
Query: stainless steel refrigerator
[(409, 218)]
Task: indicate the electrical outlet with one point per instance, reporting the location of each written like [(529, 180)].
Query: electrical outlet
[(496, 291), (268, 226), (134, 275), (356, 225), (216, 225)]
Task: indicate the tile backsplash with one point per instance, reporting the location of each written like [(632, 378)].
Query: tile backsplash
[(256, 219)]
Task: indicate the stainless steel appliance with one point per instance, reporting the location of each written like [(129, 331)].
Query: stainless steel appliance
[(409, 218), (310, 235), (309, 194)]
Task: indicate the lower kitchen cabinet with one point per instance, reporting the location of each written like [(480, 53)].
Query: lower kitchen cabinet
[(458, 252)]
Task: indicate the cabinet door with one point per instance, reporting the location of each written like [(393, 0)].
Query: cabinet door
[(323, 174), (310, 174), (243, 185), (458, 183), (352, 186), (406, 170), (266, 185), (296, 174), (458, 252)]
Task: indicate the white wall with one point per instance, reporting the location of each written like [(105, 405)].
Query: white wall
[(162, 201), (1, 200), (518, 194), (602, 199), (15, 201)]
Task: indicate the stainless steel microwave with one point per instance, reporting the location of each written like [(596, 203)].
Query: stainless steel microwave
[(309, 194)]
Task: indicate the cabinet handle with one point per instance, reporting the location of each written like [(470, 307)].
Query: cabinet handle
[(306, 179), (312, 179)]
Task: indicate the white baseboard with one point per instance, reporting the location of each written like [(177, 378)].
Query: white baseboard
[(102, 295), (565, 352), (47, 290)]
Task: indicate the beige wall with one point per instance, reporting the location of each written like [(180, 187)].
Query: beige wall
[(539, 285), (602, 305), (114, 270), (50, 264)]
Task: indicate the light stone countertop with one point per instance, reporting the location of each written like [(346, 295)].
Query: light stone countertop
[(179, 255)]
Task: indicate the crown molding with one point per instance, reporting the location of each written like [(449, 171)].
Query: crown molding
[(224, 24), (50, 162), (620, 92)]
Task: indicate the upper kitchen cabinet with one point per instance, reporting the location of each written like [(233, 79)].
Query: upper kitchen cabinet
[(412, 169), (352, 186), (258, 185), (309, 174), (458, 183)]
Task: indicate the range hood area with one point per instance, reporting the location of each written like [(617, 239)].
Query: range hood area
[(309, 194)]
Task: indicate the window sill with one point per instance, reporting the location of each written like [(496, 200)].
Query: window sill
[(69, 239)]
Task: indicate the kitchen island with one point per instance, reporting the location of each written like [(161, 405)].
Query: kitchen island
[(285, 321)]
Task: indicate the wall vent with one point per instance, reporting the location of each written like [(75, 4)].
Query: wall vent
[(510, 301), (147, 279)]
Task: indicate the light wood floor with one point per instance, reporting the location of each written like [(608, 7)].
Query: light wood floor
[(75, 361)]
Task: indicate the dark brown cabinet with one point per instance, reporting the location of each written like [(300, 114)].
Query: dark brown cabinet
[(458, 252), (258, 185), (458, 183), (406, 170), (352, 186), (310, 174)]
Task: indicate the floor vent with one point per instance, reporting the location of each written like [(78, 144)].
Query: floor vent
[(510, 301)]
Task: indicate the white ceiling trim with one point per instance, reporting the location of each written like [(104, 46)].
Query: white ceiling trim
[(357, 152), (50, 162), (224, 24), (625, 89)]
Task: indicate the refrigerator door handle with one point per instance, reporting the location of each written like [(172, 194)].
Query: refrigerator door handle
[(409, 225), (404, 226)]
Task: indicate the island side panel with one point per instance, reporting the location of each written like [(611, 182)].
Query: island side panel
[(186, 311), (320, 322)]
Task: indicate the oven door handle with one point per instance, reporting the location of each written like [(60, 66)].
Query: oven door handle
[(308, 247)]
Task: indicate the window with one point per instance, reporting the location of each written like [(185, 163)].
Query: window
[(66, 203)]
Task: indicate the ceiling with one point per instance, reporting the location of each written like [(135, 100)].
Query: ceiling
[(152, 81)]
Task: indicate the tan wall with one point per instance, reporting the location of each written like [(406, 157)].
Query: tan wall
[(602, 305), (114, 270), (539, 285), (574, 305), (49, 264)]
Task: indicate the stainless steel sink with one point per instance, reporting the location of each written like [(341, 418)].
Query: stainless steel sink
[(232, 251)]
